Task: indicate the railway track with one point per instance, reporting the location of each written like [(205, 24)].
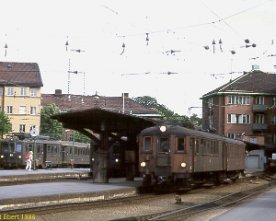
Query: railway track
[(220, 202), (183, 211)]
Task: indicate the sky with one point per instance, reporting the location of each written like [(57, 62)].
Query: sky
[(159, 37)]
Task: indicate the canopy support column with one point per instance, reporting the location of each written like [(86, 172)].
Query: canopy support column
[(100, 164)]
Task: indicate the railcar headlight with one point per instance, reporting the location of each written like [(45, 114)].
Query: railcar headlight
[(163, 129), (183, 164), (19, 157), (116, 160), (2, 156), (143, 164)]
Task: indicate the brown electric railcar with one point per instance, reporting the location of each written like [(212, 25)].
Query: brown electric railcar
[(177, 155)]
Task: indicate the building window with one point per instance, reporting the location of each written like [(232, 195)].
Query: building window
[(22, 110), (238, 118), (9, 109), (22, 127), (23, 91), (10, 91), (274, 138), (210, 102), (1, 91), (274, 101), (33, 92), (33, 111), (253, 140), (231, 135), (259, 100), (234, 99), (273, 119), (259, 119)]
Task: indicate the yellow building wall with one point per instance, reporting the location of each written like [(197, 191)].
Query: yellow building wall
[(16, 101)]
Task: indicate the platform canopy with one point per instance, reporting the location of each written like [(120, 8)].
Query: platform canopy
[(100, 125), (99, 120)]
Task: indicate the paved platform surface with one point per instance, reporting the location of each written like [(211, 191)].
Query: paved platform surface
[(28, 195), (19, 172), (21, 175), (261, 208)]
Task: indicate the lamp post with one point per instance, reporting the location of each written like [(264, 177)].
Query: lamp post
[(34, 136)]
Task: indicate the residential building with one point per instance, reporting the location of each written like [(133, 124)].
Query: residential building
[(243, 109), (121, 104), (20, 95)]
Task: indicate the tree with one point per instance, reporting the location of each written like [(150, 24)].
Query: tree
[(5, 124), (169, 116), (49, 126), (79, 137), (151, 102)]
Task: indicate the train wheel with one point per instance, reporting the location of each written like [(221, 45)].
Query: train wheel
[(147, 180), (219, 179)]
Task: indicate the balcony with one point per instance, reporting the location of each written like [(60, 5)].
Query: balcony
[(259, 127), (259, 108)]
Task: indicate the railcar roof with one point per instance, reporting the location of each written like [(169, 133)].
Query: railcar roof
[(178, 130), (59, 142)]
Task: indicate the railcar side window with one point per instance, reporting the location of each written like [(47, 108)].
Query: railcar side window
[(192, 142), (180, 144), (147, 143), (197, 143), (164, 145)]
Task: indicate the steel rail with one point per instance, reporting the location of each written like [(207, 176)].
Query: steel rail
[(211, 205)]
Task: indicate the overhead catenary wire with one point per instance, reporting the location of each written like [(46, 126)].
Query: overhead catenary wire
[(218, 20)]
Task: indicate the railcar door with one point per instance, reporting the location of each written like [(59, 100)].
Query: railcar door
[(163, 163), (44, 154), (224, 155), (62, 152), (193, 143)]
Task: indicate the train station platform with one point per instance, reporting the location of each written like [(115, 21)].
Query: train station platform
[(27, 195), (20, 176)]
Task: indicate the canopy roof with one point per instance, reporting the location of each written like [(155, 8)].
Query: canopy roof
[(99, 120)]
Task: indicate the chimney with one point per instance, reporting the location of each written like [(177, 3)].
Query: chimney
[(125, 95), (58, 92), (255, 67)]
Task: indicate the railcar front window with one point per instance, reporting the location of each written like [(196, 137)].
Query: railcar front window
[(147, 143), (164, 145), (5, 147)]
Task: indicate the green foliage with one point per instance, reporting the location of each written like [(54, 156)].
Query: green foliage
[(5, 124), (168, 115), (49, 126), (79, 137), (151, 102)]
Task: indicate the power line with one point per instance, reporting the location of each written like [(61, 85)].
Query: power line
[(220, 19)]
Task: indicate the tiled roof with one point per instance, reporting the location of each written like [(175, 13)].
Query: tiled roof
[(256, 82), (79, 102), (20, 74)]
